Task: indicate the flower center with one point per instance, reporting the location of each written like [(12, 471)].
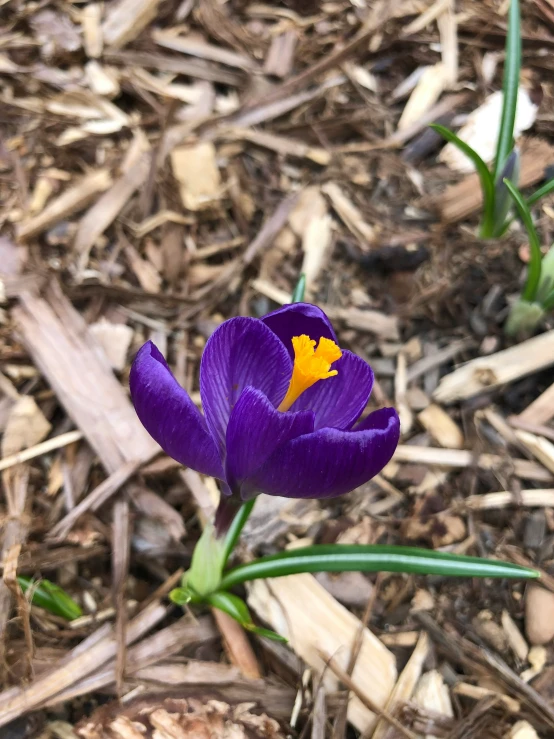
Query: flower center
[(310, 365)]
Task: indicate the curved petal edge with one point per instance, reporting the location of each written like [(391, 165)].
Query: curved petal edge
[(168, 414)]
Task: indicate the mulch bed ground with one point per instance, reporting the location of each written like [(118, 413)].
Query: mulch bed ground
[(166, 165)]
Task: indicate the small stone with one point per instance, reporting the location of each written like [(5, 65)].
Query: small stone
[(539, 615)]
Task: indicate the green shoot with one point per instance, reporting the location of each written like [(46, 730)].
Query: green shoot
[(51, 597), (537, 296), (496, 218)]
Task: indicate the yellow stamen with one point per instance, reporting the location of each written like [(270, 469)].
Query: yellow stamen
[(310, 365)]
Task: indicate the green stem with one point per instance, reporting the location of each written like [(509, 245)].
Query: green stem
[(236, 528), (299, 290)]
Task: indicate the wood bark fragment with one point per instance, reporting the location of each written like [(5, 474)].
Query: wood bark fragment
[(540, 448), (442, 428), (455, 458), (121, 528), (350, 215), (126, 19), (74, 199), (541, 410), (281, 603), (91, 18), (135, 168), (406, 683), (74, 364), (487, 373), (144, 655), (203, 50), (537, 498), (88, 656), (280, 58), (477, 693)]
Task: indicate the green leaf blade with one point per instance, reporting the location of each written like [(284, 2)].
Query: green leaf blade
[(510, 88), (51, 597), (485, 177), (235, 607), (377, 558), (546, 189), (534, 270)]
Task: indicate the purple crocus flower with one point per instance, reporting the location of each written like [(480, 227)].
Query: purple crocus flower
[(280, 402)]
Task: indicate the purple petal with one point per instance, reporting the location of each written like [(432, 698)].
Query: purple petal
[(338, 401), (169, 415), (256, 430), (297, 319), (242, 352), (330, 462)]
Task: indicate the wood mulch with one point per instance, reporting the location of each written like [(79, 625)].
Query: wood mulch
[(167, 164)]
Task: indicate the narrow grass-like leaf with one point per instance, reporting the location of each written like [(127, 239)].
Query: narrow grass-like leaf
[(503, 201), (510, 88), (236, 527), (547, 188), (299, 290), (485, 177), (534, 270), (235, 607), (377, 558), (51, 597)]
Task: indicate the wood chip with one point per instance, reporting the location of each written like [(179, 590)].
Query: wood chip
[(530, 498), (540, 410), (280, 57), (429, 88), (522, 730), (478, 693), (195, 168), (280, 144), (455, 458), (442, 428), (26, 427), (540, 448), (135, 168), (74, 199), (115, 339), (515, 638), (196, 46), (281, 603), (125, 19), (432, 694), (406, 683), (91, 17), (68, 355), (487, 373), (350, 215)]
